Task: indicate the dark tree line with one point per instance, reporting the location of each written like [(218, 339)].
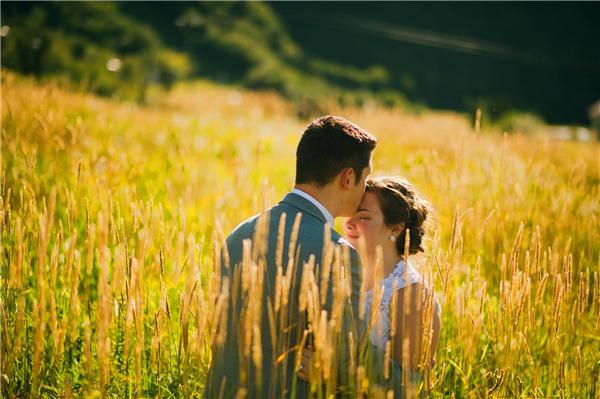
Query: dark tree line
[(542, 58)]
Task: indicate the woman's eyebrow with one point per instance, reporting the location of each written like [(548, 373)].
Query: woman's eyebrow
[(363, 210)]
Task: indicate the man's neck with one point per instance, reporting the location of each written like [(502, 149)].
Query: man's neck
[(322, 194)]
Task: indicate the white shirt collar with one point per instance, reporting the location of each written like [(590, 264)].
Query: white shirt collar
[(316, 203)]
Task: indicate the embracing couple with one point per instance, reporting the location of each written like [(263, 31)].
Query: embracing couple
[(305, 311)]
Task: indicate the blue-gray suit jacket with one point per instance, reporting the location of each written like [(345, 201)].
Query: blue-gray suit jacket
[(231, 370)]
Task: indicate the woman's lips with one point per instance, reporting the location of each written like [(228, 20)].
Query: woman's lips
[(352, 237)]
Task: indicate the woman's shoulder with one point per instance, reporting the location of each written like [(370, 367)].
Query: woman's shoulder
[(407, 279), (421, 296), (405, 274)]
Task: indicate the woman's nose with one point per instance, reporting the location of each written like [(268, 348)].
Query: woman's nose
[(350, 224)]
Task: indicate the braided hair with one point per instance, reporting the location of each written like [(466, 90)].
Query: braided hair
[(401, 204)]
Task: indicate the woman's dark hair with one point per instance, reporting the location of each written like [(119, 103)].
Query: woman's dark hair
[(330, 144), (401, 204)]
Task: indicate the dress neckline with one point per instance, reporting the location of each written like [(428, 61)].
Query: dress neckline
[(398, 272)]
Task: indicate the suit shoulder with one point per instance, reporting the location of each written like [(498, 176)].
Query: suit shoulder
[(245, 228)]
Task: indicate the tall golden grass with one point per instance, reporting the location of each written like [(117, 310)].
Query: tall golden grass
[(110, 214)]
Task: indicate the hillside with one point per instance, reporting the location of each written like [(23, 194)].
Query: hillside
[(443, 56), (528, 56)]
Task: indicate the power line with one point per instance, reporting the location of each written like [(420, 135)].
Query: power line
[(467, 45)]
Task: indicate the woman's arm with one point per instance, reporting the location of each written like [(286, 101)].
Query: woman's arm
[(416, 316)]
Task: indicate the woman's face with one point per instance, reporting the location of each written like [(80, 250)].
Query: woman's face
[(367, 224)]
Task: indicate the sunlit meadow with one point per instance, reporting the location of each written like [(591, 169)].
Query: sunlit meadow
[(110, 214)]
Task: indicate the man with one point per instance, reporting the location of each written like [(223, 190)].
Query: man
[(276, 271)]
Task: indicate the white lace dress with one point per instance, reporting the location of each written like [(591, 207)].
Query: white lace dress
[(398, 278)]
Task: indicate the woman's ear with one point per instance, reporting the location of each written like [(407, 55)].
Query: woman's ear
[(398, 228)]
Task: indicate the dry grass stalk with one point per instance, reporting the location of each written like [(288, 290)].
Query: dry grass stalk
[(74, 304), (87, 345), (326, 259), (219, 323), (138, 316), (377, 294), (557, 302), (279, 281), (427, 323), (104, 303)]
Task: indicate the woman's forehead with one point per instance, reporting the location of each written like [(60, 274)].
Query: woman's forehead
[(369, 202)]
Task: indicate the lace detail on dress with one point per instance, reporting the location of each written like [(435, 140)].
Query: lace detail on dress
[(398, 278)]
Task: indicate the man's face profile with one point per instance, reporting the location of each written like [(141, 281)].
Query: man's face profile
[(358, 188)]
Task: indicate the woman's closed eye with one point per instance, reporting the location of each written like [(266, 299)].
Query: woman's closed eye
[(363, 214)]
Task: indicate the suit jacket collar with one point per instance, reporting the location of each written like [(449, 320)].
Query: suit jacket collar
[(303, 205)]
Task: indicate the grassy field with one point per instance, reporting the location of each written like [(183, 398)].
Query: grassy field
[(110, 213)]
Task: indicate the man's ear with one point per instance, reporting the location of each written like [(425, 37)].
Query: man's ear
[(347, 177)]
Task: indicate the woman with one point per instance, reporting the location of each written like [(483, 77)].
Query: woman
[(407, 314)]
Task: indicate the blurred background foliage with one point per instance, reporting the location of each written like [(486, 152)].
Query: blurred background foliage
[(540, 60), (91, 44)]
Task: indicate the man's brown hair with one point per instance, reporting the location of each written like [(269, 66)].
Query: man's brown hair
[(330, 144)]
